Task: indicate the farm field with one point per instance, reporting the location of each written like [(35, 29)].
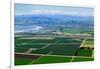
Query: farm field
[(77, 31), (78, 59), (56, 46), (84, 52), (51, 59), (22, 61), (89, 43), (63, 49)]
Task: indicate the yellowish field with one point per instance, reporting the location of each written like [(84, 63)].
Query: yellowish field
[(88, 43)]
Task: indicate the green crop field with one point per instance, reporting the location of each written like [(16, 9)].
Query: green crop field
[(22, 61), (52, 50), (51, 59), (84, 52), (78, 59), (21, 49), (67, 48)]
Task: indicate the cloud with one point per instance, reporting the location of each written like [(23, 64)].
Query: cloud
[(47, 11), (53, 12), (61, 12)]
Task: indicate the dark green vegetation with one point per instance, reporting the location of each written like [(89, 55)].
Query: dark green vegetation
[(20, 49), (85, 52), (58, 49), (26, 47), (52, 50), (78, 59), (58, 46), (52, 59), (23, 61)]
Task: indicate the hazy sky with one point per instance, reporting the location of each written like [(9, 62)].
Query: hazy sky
[(27, 9)]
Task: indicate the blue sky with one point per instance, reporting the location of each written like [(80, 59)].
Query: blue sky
[(29, 9)]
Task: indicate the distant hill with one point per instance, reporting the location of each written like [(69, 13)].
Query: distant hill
[(27, 23)]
